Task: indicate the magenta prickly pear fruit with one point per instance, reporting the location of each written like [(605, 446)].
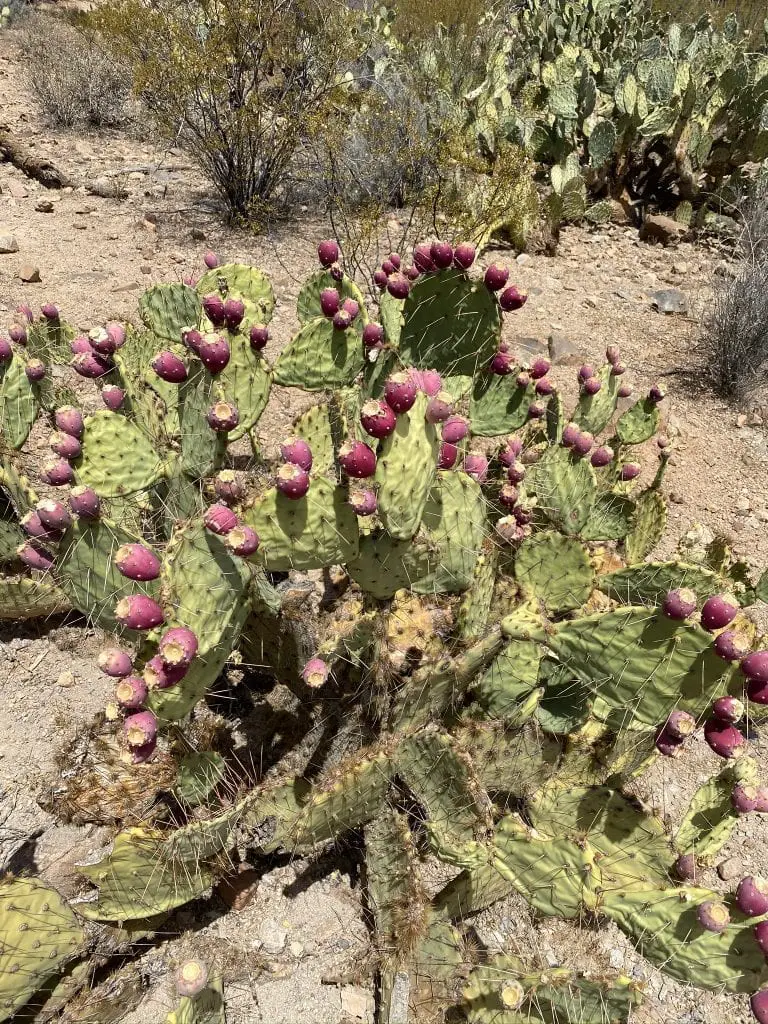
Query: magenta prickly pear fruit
[(357, 459), (328, 252), (680, 725), (656, 395), (400, 391), (364, 502), (116, 332), (512, 299), (761, 936), (64, 445), (315, 673), (464, 255), (495, 277), (79, 345), (508, 495), (137, 562), (757, 691), (394, 259), (439, 407), (612, 354), (617, 370), (58, 474), (341, 320), (602, 456), (192, 339), (516, 473), (679, 604), (351, 307), (101, 341), (592, 385), (137, 611), (758, 1002), (447, 455), (191, 978), (140, 728), (730, 645), (540, 368), (585, 373), (6, 351), (728, 709), (228, 488), (378, 418), (159, 676), (684, 867), (624, 391), (85, 502), (219, 519), (234, 311), (723, 738), (33, 526), (35, 556), (755, 666), (630, 470), (502, 364), (53, 515), (213, 307), (713, 916), (718, 611), (131, 692), (211, 260), (509, 453), (91, 365), (442, 254), (18, 334), (49, 311), (412, 273), (455, 429), (140, 755), (169, 367), (336, 272), (428, 381), (510, 531), (112, 396), (373, 335), (744, 798), (476, 466), (292, 481), (297, 451), (330, 300), (422, 258), (380, 278), (583, 443), (114, 662), (667, 744), (752, 896), (545, 387), (398, 286), (243, 540), (522, 515), (662, 441), (35, 370), (388, 267), (223, 417), (214, 352), (259, 337)]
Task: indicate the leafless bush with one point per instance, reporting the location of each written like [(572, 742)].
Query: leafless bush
[(736, 331), (75, 80)]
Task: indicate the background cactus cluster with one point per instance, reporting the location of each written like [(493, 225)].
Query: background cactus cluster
[(448, 571)]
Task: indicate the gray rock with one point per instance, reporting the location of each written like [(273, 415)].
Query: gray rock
[(658, 228), (272, 936), (669, 300), (357, 1003), (530, 348), (8, 243), (562, 350), (730, 868), (29, 274)]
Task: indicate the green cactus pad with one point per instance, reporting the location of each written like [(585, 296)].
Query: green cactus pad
[(207, 1007), (118, 458), (405, 471), (11, 536), (664, 927), (320, 357), (639, 423), (314, 532), (39, 934), (199, 774), (15, 486), (649, 582), (594, 412), (245, 381), (151, 400), (238, 281), (167, 309), (454, 519), (18, 402), (393, 883), (475, 607), (383, 565), (565, 488), (565, 704), (710, 818), (511, 677), (450, 324), (391, 317), (648, 524), (308, 304), (555, 569), (498, 405), (509, 761), (198, 441), (49, 340), (473, 889), (610, 519), (314, 426), (23, 598), (139, 878)]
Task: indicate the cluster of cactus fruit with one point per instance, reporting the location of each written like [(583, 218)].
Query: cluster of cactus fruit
[(498, 657)]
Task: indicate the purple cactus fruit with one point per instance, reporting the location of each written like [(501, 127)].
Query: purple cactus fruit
[(757, 691), (192, 339), (571, 434), (510, 531), (679, 604), (26, 312), (191, 978), (234, 311), (617, 370), (758, 1001), (512, 299), (131, 693), (394, 259), (341, 320), (330, 300), (496, 276), (140, 755), (662, 441), (447, 455), (6, 351), (667, 744), (428, 381), (292, 481), (684, 867), (32, 525), (464, 255), (398, 286), (219, 519), (508, 495), (53, 515), (585, 373), (400, 391), (214, 352), (35, 556), (752, 896), (602, 456), (388, 267), (169, 367), (137, 562), (64, 445), (755, 666), (455, 429), (656, 395), (85, 502), (377, 418), (80, 345), (159, 676), (730, 645), (116, 332), (296, 450), (442, 254), (545, 387), (540, 368), (422, 258), (352, 307), (211, 260), (522, 515), (373, 335), (680, 725), (592, 385), (439, 407), (502, 364), (101, 341), (412, 273), (744, 798), (259, 337), (364, 502), (114, 662), (140, 728), (723, 738), (58, 474), (213, 307), (761, 936), (583, 443), (630, 470), (328, 252), (718, 611), (315, 673), (612, 354), (380, 278), (624, 391), (516, 473), (713, 916), (49, 311), (35, 370), (112, 396), (91, 365), (227, 487), (336, 272), (476, 466), (18, 334), (244, 540), (222, 417), (728, 709), (357, 459), (190, 280), (137, 611)]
